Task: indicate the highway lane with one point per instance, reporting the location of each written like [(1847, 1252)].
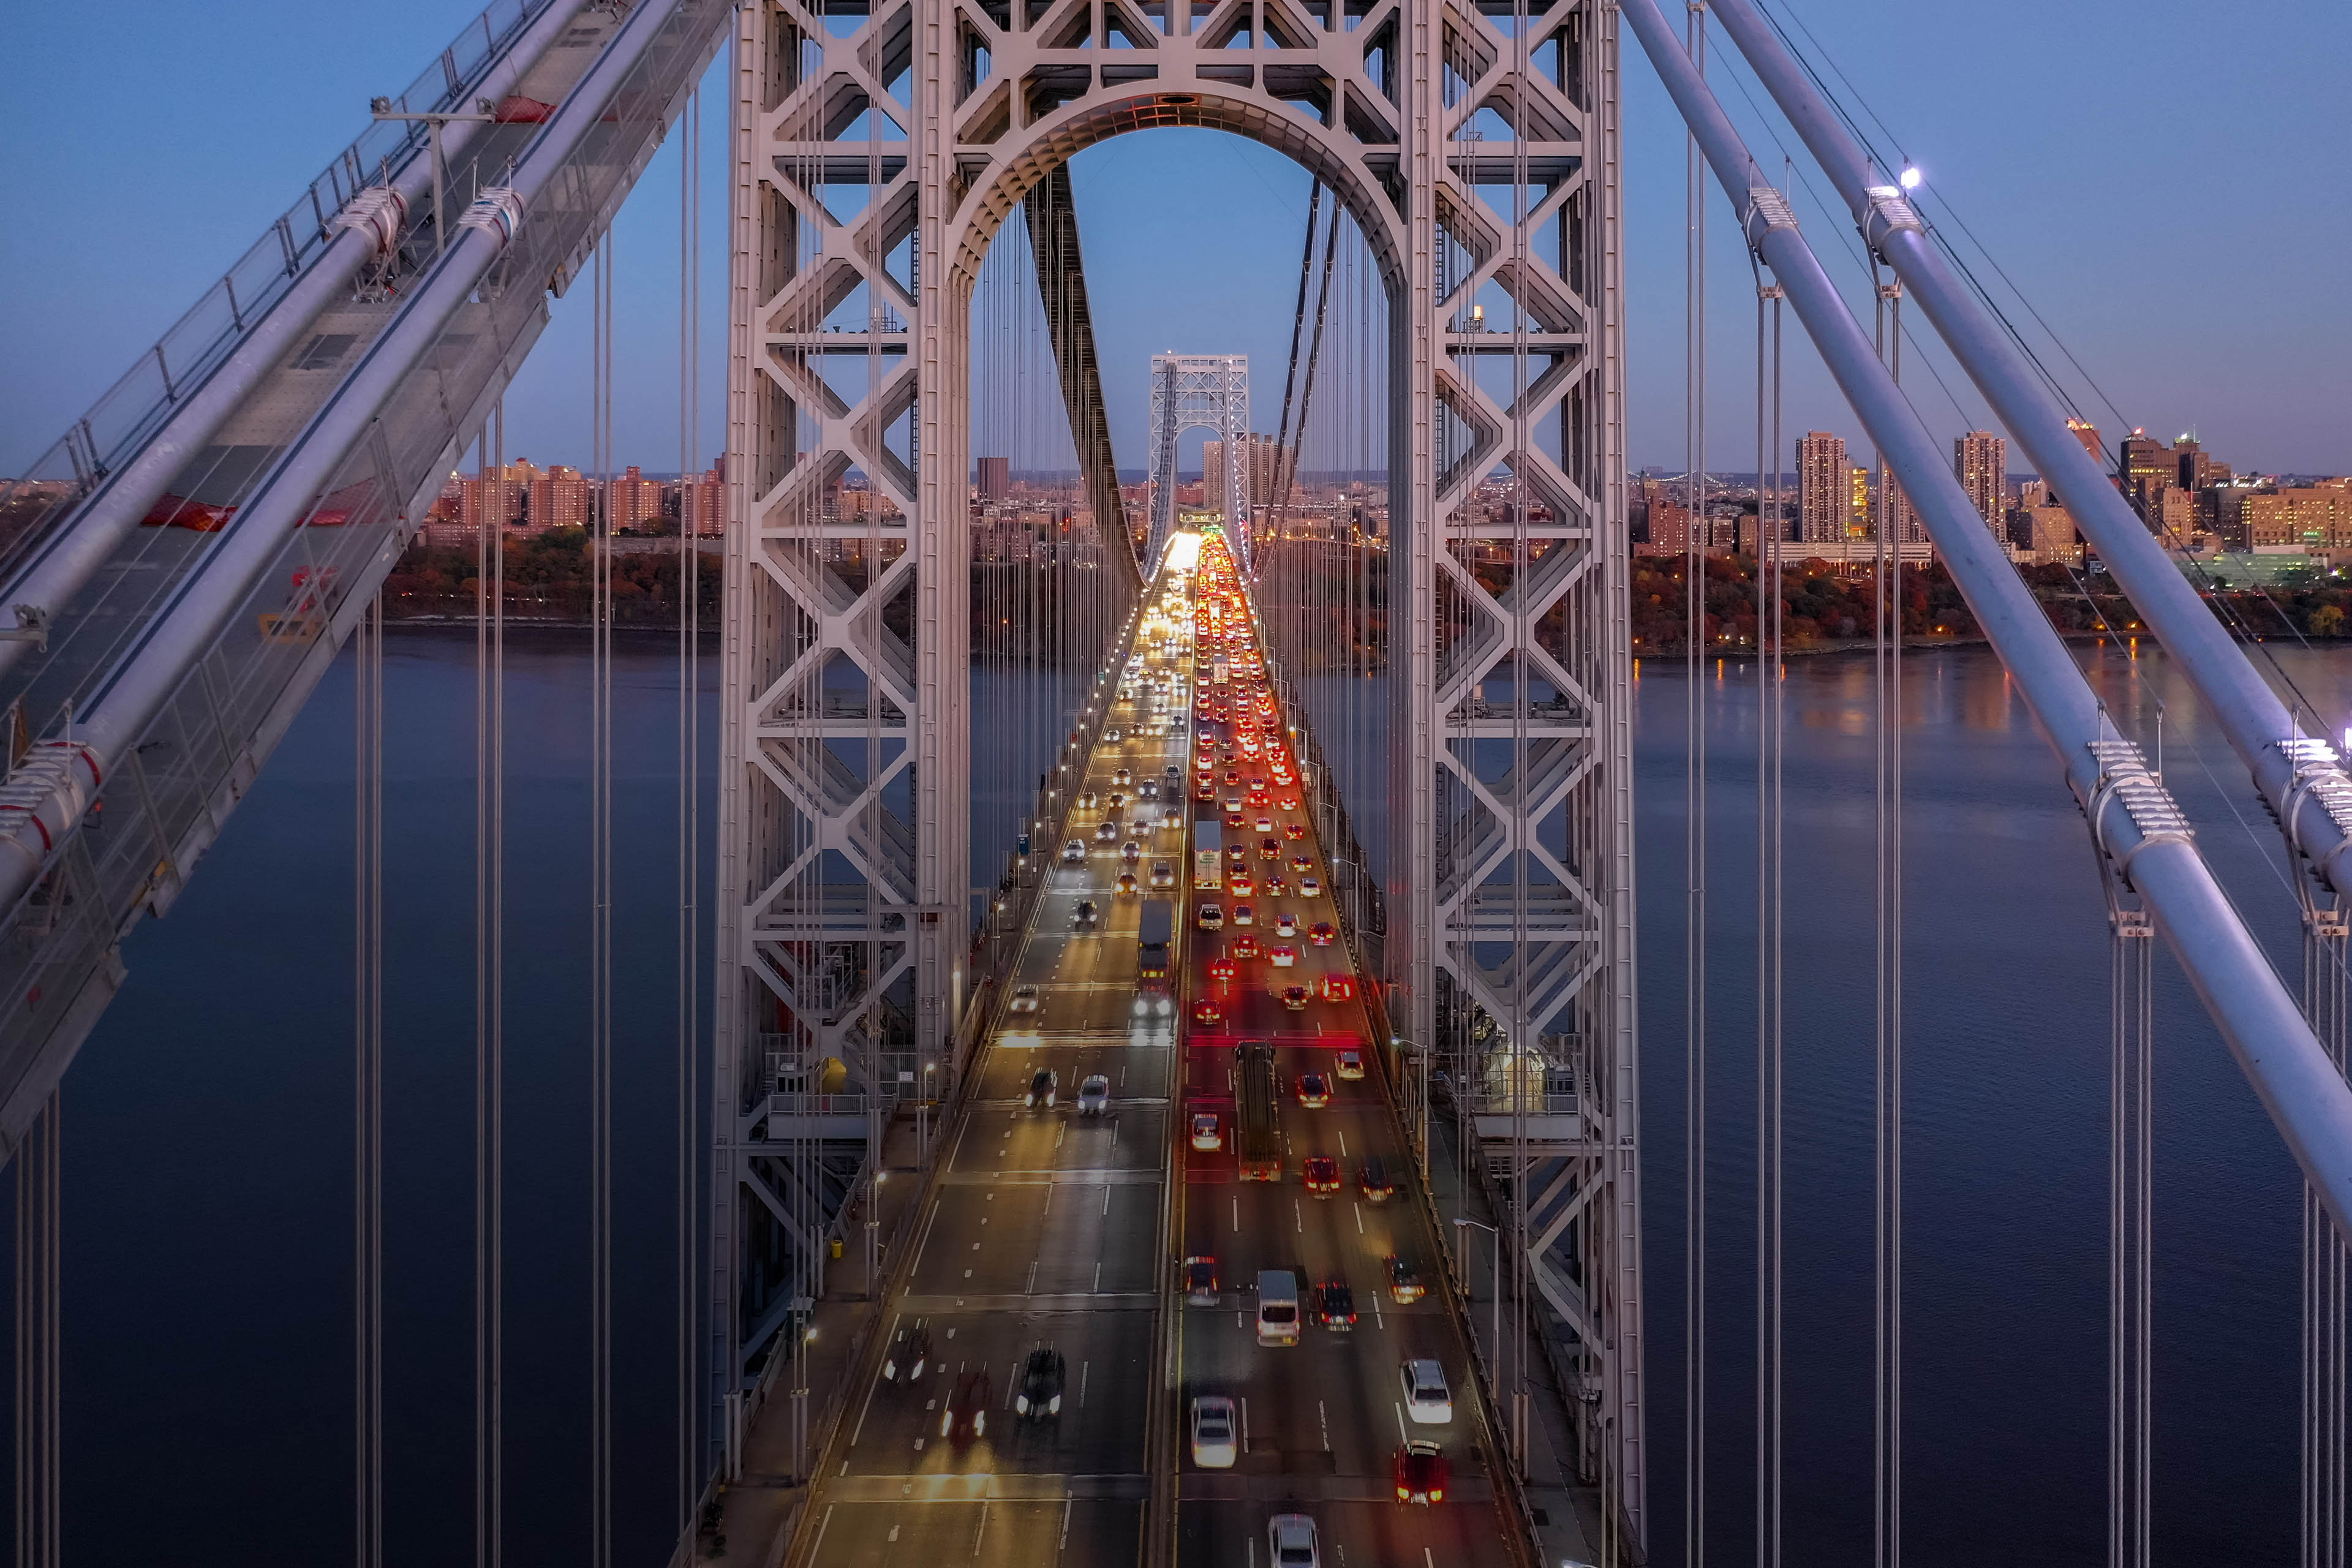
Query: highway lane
[(1044, 1230), (1321, 1419)]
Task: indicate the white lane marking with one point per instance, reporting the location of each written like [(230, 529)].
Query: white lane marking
[(1106, 1208), (975, 1246), (981, 1530), (894, 1533), (1402, 1435), (1359, 1216), (1298, 1214), (1114, 1131), (1323, 1419), (927, 1234), (1032, 1288), (844, 1468), (819, 1542), (1098, 1277), (1049, 1198), (1428, 1559), (1082, 1383), (1378, 1321), (1237, 1220), (1343, 1145), (1067, 1503), (1244, 1417), (1065, 1127), (896, 1319)]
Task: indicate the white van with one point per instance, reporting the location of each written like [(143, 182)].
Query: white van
[(1277, 1307)]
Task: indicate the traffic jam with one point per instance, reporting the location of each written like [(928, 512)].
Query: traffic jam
[(1310, 1345)]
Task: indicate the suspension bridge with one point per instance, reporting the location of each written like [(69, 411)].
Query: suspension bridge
[(1094, 1151)]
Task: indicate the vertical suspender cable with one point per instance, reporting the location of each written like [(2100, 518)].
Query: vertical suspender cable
[(690, 520), (1694, 840), (489, 999), (1886, 635), (38, 1168), (367, 1005), (1769, 675), (599, 935)]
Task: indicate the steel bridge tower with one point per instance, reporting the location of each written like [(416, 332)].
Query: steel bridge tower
[(1476, 148), (1192, 392)]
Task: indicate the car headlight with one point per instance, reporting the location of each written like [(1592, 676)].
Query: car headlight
[(1054, 1406), (979, 1422), (1021, 1404), (946, 1423)]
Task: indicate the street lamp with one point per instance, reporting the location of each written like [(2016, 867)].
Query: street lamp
[(1495, 1345)]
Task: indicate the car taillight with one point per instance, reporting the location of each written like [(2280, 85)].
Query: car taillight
[(1437, 1494), (1405, 1494)]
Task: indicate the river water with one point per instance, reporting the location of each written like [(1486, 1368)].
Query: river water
[(208, 1169)]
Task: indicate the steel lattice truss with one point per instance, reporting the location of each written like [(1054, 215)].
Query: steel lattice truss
[(1192, 392), (845, 816)]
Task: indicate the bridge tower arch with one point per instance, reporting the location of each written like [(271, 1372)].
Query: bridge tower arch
[(877, 146)]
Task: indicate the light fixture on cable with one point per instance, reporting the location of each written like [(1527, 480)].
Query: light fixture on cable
[(1910, 177)]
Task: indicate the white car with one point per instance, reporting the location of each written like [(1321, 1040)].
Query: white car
[(1290, 1541), (1073, 852), (1214, 1443), (1426, 1399), (1286, 924), (1207, 1136), (1093, 1095), (1310, 886), (1114, 734), (1024, 999)]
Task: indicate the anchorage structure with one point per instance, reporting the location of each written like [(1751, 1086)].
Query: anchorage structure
[(1191, 392)]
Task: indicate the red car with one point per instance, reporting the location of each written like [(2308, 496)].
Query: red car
[(1222, 968), (1269, 849), (1320, 933), (1232, 819), (1243, 946), (1293, 996), (1421, 1473), (1300, 865), (1338, 988), (1206, 1011), (967, 1412), (1292, 829), (1241, 884), (1290, 802), (1322, 1174)]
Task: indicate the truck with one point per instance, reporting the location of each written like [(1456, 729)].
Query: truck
[(1155, 937), (1208, 853), (1257, 1135)]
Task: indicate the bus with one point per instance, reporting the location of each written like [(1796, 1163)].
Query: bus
[(1155, 935), (1208, 853), (1258, 1134)]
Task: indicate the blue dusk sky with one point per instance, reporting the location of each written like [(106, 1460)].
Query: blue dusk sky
[(2166, 182)]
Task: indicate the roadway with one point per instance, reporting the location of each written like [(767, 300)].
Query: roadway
[(1046, 1228)]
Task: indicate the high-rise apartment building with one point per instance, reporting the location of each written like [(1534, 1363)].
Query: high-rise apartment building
[(1980, 458), (995, 479), (560, 499), (1261, 457), (702, 502), (1824, 496), (2147, 469), (1861, 518), (636, 499)]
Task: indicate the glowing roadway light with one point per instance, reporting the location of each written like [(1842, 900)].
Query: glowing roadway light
[(1910, 177)]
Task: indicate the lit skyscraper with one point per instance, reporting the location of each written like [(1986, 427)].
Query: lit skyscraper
[(1980, 458), (1822, 503)]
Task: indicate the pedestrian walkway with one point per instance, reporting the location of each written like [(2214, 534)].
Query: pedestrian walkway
[(1567, 1510)]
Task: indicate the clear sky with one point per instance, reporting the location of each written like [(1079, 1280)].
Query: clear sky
[(2166, 180)]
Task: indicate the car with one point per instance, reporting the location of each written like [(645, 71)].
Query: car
[(966, 1416), (1223, 969), (1205, 795), (1116, 799), (1241, 884), (1026, 999), (1373, 1180), (1288, 803), (1093, 1095), (1073, 852), (1233, 779), (1243, 946), (1269, 849), (1294, 998), (910, 1355), (1291, 1542), (1300, 865), (1335, 1305), (1040, 1396), (1044, 1085), (1200, 1280), (1265, 825), (1351, 1064), (1163, 874), (1322, 1174), (1237, 857), (1086, 916), (1206, 1011), (1148, 790), (1121, 777), (1208, 1135), (1243, 915), (1320, 933), (1314, 1090), (1426, 1398), (1210, 916), (1232, 819), (1310, 886), (1294, 829), (1286, 923), (1338, 988), (1421, 1472), (1105, 830), (1215, 1447), (1125, 884), (1132, 852), (1259, 799), (1114, 734), (1088, 801), (1282, 957), (1405, 1280), (1274, 886)]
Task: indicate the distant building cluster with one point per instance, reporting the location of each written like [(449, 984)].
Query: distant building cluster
[(1835, 509), (523, 497)]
